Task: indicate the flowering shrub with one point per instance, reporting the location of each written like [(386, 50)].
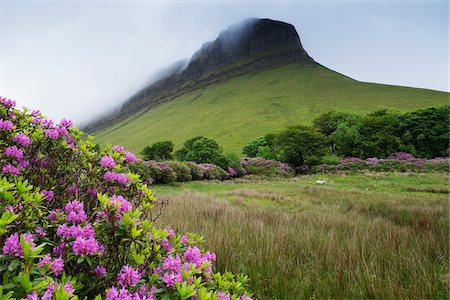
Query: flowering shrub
[(211, 172), (73, 223), (195, 170), (267, 167), (181, 169), (400, 162)]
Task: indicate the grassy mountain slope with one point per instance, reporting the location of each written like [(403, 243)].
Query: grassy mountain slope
[(245, 107)]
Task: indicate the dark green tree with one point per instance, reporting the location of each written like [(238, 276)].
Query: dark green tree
[(346, 140), (187, 147), (158, 151), (300, 145), (427, 131), (206, 150), (380, 134), (252, 148), (328, 123)]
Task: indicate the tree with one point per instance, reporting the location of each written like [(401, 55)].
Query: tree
[(206, 150), (187, 147), (300, 145), (427, 130), (329, 122), (346, 140), (159, 151), (380, 134), (252, 148)]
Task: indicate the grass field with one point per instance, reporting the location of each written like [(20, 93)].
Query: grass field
[(371, 235), (249, 106)]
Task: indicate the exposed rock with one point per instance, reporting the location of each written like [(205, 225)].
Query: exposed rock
[(249, 46)]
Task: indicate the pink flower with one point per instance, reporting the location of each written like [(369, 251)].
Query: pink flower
[(184, 240), (57, 266), (6, 125), (8, 102), (75, 212), (49, 292), (22, 139), (100, 271), (59, 250), (32, 296), (172, 264), (48, 195), (109, 176), (10, 169), (120, 203), (46, 260), (171, 278), (130, 157), (63, 231), (119, 149), (68, 288), (52, 133), (83, 246), (66, 123), (107, 162), (121, 178), (223, 296), (12, 244), (62, 131), (128, 276), (170, 232), (73, 189), (192, 255), (14, 152), (166, 245), (86, 232)]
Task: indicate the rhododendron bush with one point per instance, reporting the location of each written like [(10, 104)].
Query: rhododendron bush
[(76, 223)]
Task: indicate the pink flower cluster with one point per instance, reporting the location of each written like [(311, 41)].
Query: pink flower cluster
[(12, 244), (107, 162), (128, 276), (113, 176), (6, 125), (56, 265), (75, 212)]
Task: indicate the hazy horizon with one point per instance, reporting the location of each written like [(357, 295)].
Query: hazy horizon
[(79, 60)]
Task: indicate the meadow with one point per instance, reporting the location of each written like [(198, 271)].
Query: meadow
[(364, 235), (248, 106)]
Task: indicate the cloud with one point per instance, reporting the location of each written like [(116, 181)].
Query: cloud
[(79, 60)]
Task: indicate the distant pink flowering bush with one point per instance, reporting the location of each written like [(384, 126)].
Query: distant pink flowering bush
[(73, 222), (267, 167)]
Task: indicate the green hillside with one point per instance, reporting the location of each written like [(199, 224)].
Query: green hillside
[(249, 106)]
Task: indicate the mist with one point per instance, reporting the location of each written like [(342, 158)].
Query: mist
[(82, 60)]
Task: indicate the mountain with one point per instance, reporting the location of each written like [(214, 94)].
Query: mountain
[(254, 78)]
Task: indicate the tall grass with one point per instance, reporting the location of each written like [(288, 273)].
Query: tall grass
[(328, 243)]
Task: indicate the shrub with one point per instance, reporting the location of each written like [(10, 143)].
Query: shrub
[(73, 224), (195, 170), (182, 170), (261, 166), (330, 159), (161, 172), (211, 172)]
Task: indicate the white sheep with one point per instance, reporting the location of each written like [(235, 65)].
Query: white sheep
[(321, 181)]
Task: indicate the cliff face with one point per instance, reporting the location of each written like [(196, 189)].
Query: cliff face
[(246, 47)]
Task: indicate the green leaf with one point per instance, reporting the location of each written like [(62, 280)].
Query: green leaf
[(13, 265)]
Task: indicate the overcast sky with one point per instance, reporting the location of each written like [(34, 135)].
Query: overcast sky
[(77, 59)]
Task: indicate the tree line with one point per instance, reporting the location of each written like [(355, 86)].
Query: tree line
[(333, 135)]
